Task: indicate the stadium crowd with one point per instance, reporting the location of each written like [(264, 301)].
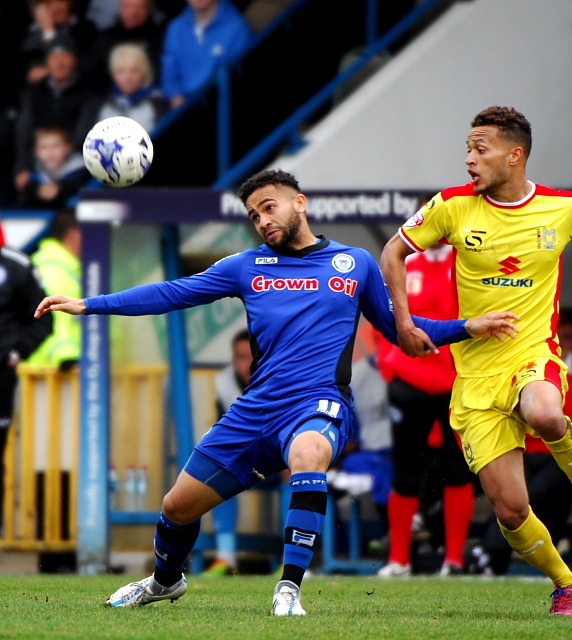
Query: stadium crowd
[(68, 63)]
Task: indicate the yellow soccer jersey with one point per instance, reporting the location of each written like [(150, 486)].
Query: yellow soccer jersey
[(508, 258)]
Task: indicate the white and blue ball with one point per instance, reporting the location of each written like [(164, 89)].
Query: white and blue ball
[(118, 151)]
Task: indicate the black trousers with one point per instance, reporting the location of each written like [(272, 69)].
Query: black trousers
[(8, 382), (413, 413)]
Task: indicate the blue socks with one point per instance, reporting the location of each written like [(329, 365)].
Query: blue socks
[(173, 543), (304, 523)]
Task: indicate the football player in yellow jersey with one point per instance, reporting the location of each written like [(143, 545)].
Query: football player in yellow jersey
[(509, 235)]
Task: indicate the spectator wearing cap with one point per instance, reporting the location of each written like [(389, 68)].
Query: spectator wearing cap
[(136, 23), (62, 98)]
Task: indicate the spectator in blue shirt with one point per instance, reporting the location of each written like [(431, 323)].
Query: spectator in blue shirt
[(203, 36)]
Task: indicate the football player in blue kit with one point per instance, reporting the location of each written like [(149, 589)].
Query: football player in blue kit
[(303, 297)]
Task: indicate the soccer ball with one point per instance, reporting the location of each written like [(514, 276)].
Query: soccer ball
[(118, 151)]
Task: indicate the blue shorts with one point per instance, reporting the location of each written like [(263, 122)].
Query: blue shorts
[(252, 439)]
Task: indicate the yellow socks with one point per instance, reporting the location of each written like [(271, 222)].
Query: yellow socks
[(562, 450), (533, 543)]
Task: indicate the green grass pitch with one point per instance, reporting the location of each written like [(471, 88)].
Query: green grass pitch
[(237, 608)]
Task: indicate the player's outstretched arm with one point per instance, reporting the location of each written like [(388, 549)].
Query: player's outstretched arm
[(497, 324), (73, 306), (412, 340)]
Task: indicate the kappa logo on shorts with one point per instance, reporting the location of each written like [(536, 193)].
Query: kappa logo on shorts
[(343, 263)]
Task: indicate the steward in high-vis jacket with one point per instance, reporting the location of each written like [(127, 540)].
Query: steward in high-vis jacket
[(57, 259)]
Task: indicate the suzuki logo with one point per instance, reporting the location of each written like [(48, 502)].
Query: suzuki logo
[(509, 265)]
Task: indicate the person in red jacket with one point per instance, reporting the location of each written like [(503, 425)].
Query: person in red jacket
[(419, 395)]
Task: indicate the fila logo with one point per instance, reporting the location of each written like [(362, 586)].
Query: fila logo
[(273, 260), (329, 407), (339, 285), (509, 265)]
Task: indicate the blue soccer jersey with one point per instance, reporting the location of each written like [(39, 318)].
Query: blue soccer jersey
[(303, 309)]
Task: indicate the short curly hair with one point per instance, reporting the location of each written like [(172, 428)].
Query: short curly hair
[(263, 179), (511, 124)]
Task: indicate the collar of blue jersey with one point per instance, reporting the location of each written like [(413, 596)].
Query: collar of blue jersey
[(300, 253)]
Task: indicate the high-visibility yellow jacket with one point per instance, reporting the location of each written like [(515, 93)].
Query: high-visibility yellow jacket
[(61, 273)]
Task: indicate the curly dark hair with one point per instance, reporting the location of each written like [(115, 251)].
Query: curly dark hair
[(264, 178), (512, 125)]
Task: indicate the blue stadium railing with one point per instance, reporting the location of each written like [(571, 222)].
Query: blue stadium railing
[(228, 175), (289, 130)]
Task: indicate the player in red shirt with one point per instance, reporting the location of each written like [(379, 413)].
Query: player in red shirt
[(419, 394)]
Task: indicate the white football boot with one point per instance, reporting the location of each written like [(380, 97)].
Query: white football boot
[(138, 594), (394, 570), (287, 600)]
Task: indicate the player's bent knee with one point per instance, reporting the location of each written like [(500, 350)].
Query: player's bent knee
[(310, 451), (511, 517), (310, 459), (549, 425), (177, 508), (171, 508)]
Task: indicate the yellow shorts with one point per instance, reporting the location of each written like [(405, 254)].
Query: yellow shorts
[(482, 409)]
